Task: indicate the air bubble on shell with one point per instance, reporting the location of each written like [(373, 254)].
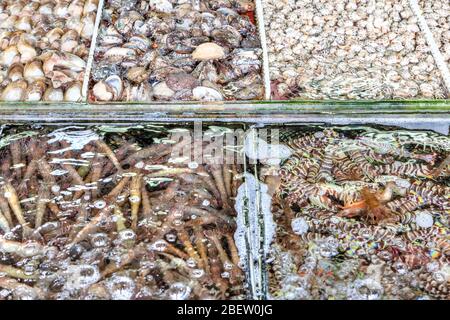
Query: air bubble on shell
[(121, 287), (100, 204), (178, 291), (81, 276), (198, 273)]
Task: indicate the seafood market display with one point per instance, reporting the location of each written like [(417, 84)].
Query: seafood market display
[(169, 50), (352, 49), (44, 47), (361, 213), (111, 213)]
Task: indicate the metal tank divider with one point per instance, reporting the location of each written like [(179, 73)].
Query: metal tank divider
[(87, 73)]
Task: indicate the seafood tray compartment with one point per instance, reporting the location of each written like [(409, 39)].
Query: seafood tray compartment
[(44, 49), (357, 50), (104, 212), (177, 51), (358, 213)]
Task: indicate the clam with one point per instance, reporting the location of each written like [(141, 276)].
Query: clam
[(109, 89), (206, 94), (118, 54), (52, 94), (35, 91), (23, 24), (14, 91), (164, 6), (137, 74), (102, 92), (46, 8), (162, 91), (15, 72), (9, 56), (69, 41), (26, 50), (59, 78), (76, 8), (33, 71), (73, 92), (54, 35), (88, 26), (9, 22), (208, 51)]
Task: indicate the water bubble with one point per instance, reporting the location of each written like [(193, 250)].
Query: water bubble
[(99, 240), (171, 237), (178, 291), (227, 265), (191, 263), (206, 203), (29, 268), (365, 289), (100, 204), (159, 245), (81, 276), (121, 287), (225, 275), (198, 273), (127, 235)]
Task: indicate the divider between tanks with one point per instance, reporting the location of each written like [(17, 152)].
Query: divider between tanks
[(436, 53), (87, 73), (265, 56)]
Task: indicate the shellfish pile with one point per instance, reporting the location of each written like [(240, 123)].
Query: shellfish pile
[(167, 50), (351, 50), (86, 214), (437, 15), (44, 45), (361, 214)]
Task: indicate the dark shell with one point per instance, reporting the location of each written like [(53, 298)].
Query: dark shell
[(181, 80)]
